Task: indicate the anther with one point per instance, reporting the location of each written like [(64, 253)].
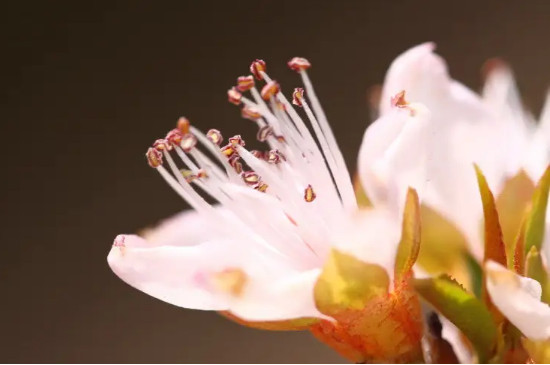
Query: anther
[(183, 125), (398, 100), (251, 113), (188, 175), (261, 187), (298, 64), (201, 174), (234, 96), (228, 150), (298, 96), (161, 145), (270, 89), (237, 140), (309, 194), (250, 177), (154, 157), (258, 154), (275, 157), (256, 67), (263, 133), (214, 136), (174, 137), (188, 142), (245, 83)]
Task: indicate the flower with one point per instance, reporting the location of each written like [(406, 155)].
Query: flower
[(469, 145), (285, 245)]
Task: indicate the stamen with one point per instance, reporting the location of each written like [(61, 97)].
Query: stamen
[(161, 145), (257, 154), (256, 67), (237, 140), (183, 125), (251, 113), (250, 177), (298, 64), (298, 96), (263, 133), (275, 156), (309, 194), (228, 150), (214, 136), (234, 96), (245, 83), (154, 157), (261, 187), (174, 137), (188, 142), (270, 89), (398, 100)]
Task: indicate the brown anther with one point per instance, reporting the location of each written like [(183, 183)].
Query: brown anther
[(245, 83), (263, 133), (261, 187), (298, 64), (188, 142), (237, 140), (183, 125), (256, 67), (270, 89), (238, 167), (161, 145), (214, 136), (398, 100), (174, 137), (258, 154), (251, 113), (250, 177), (275, 157), (309, 194), (234, 96), (228, 150), (298, 96), (154, 157)]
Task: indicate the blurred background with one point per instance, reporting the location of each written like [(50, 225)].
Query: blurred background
[(89, 85)]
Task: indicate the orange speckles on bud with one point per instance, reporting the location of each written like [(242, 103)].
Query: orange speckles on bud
[(234, 96), (174, 137), (298, 64), (309, 194), (237, 140), (270, 89), (214, 136), (154, 157), (250, 177), (298, 96), (245, 83), (256, 67), (231, 281), (183, 125), (251, 113), (188, 142)]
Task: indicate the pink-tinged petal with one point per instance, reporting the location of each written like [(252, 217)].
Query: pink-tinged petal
[(251, 282), (518, 298), (463, 131), (393, 156), (187, 228), (372, 236)]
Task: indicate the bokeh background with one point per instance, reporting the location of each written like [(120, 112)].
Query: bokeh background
[(88, 85)]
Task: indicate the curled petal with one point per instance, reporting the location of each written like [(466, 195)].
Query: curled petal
[(518, 298)]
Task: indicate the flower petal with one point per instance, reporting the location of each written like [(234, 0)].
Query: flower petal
[(518, 298)]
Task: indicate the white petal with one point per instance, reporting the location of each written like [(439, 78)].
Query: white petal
[(186, 276), (518, 298), (454, 336)]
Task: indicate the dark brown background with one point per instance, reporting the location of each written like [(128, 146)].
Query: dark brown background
[(90, 85)]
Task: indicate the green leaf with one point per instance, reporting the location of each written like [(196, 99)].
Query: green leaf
[(347, 283), (476, 275), (463, 309), (534, 269), (494, 244), (407, 251), (534, 230)]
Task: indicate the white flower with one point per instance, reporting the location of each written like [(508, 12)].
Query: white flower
[(258, 251)]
